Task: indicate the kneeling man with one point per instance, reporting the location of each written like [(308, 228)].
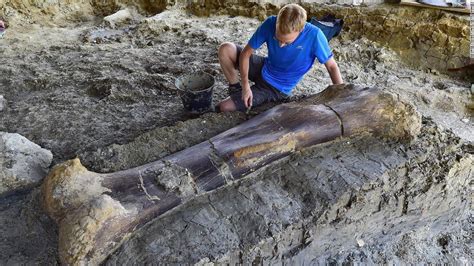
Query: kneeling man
[(293, 45)]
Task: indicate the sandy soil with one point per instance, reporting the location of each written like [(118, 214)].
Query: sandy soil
[(107, 95)]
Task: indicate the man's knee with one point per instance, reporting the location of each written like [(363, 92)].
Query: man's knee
[(227, 105), (227, 49)]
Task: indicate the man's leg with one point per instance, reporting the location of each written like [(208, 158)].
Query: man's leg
[(227, 105), (228, 60)]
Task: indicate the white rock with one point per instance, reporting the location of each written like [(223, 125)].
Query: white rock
[(162, 22), (23, 163), (360, 243), (465, 120), (119, 18), (2, 103)]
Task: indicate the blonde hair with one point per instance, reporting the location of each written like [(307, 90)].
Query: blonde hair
[(291, 18)]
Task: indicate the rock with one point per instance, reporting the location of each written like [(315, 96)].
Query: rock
[(23, 163), (160, 23), (379, 67), (426, 99), (440, 85), (360, 243), (2, 103), (119, 18), (434, 72), (392, 79)]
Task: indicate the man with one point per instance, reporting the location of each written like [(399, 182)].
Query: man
[(293, 45)]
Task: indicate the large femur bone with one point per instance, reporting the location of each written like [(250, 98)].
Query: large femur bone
[(96, 212)]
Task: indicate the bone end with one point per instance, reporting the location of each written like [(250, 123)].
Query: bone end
[(68, 186), (88, 218), (402, 120)]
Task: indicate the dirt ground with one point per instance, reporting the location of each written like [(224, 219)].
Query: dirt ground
[(106, 95)]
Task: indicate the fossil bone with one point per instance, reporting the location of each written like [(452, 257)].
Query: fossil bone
[(96, 212)]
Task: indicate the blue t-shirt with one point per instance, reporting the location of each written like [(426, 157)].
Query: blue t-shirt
[(286, 66)]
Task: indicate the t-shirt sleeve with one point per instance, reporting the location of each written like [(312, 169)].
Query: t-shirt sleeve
[(261, 34), (321, 47)]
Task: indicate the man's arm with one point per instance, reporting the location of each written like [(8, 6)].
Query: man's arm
[(244, 60), (334, 72)]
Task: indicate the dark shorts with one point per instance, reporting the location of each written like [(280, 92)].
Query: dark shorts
[(261, 90)]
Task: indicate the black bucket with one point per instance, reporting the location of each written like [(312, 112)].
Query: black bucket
[(196, 91)]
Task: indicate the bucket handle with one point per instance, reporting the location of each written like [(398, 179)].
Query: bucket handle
[(172, 81)]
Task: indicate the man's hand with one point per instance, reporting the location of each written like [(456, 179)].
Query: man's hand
[(2, 24), (247, 95)]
